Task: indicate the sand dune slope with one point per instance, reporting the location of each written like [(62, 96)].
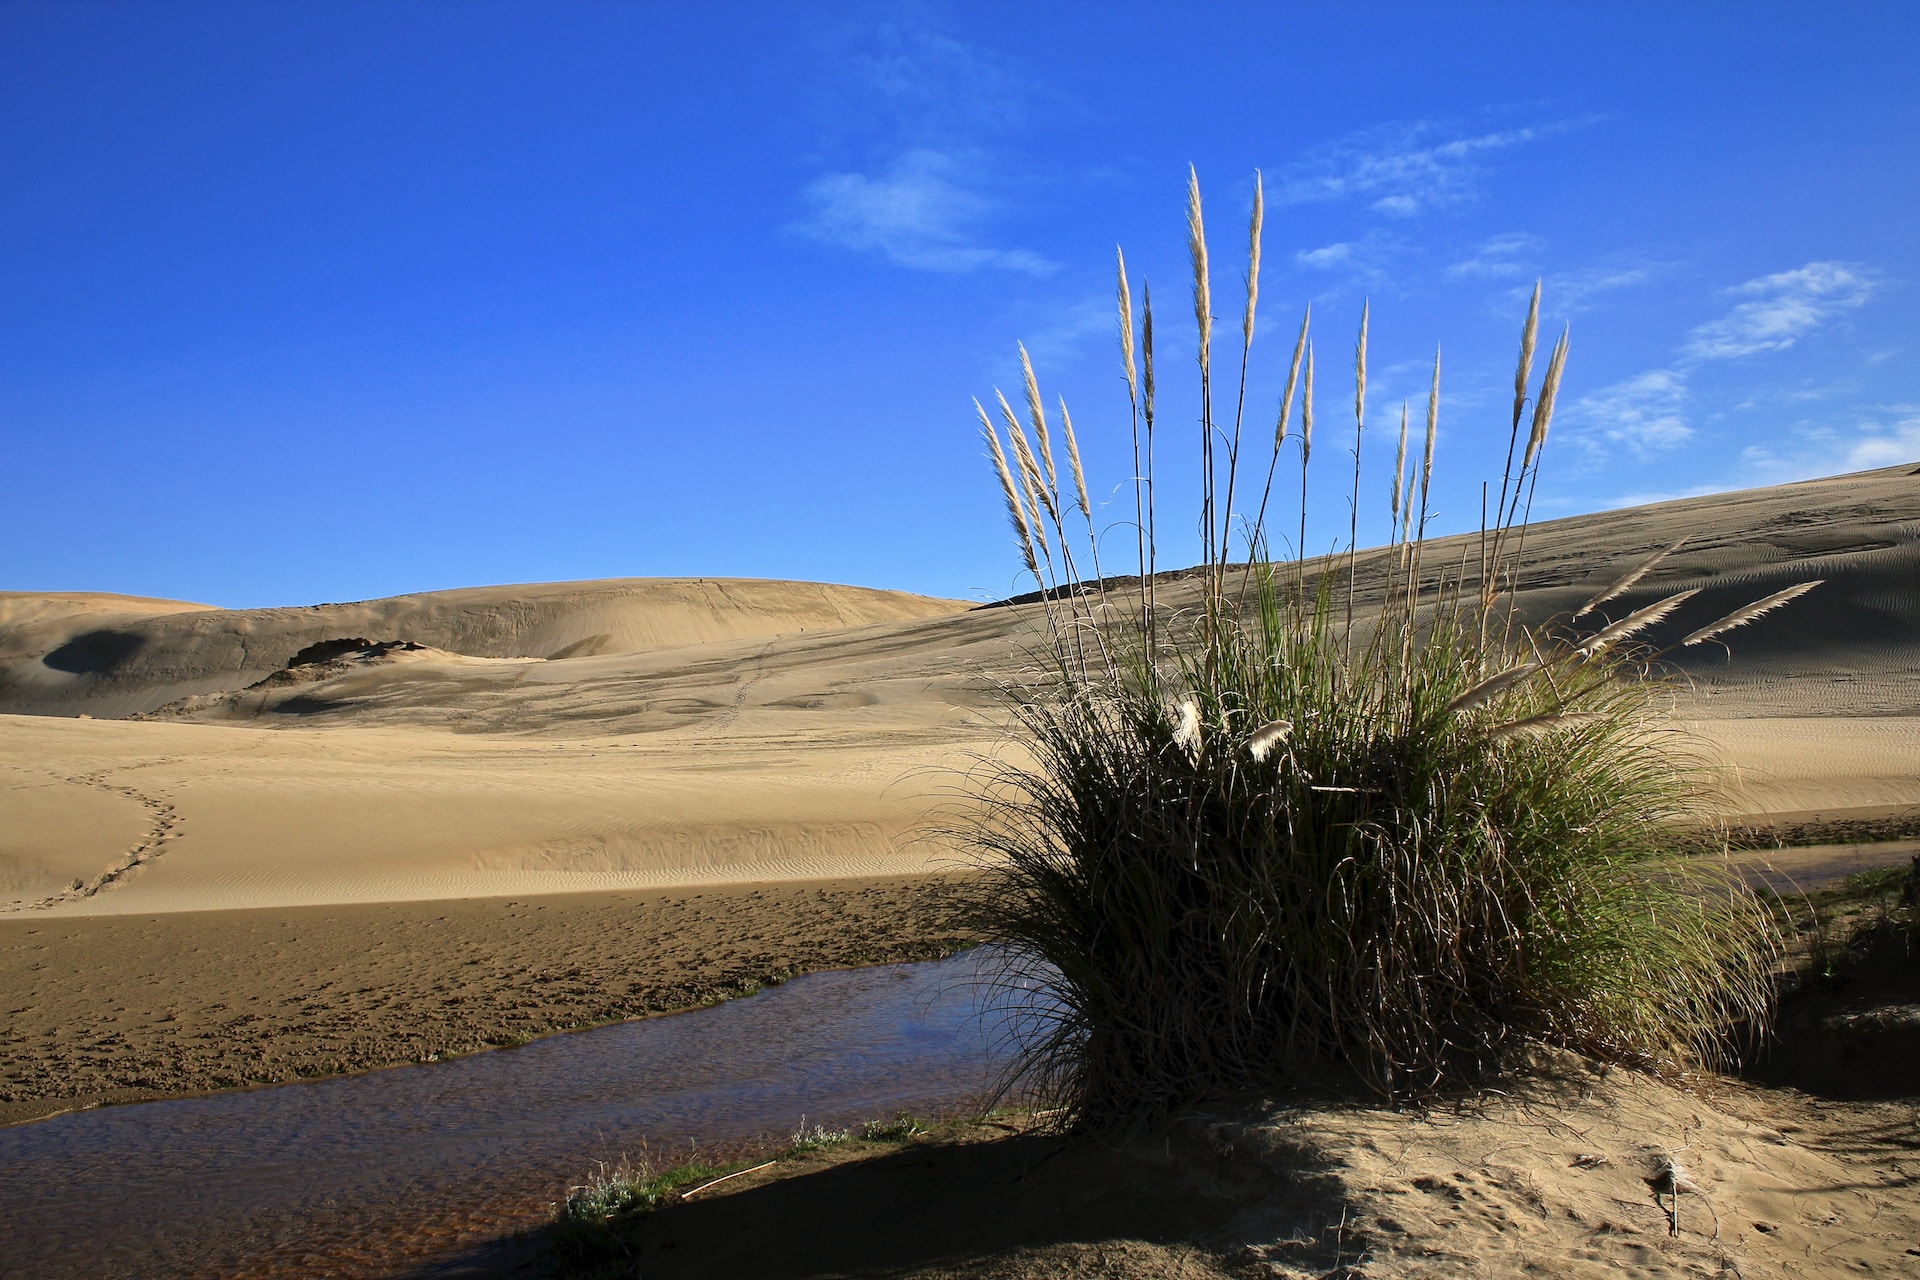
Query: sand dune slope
[(189, 817), (115, 660)]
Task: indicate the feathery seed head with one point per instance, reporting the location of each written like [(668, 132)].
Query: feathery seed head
[(1197, 250), (1541, 726), (1073, 457), (1484, 689), (1267, 737), (1433, 427), (1742, 616), (1627, 579), (1124, 299), (1146, 350), (1549, 391), (1031, 477), (1016, 514), (1360, 372), (1186, 729), (1400, 467), (1528, 333), (1306, 410), (1293, 380), (1634, 622), (1253, 257), (1038, 416)]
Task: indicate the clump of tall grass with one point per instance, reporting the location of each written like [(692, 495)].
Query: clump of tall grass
[(1282, 833)]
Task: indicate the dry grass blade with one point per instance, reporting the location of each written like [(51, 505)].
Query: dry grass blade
[(1039, 417), (1267, 737), (1627, 579), (1479, 693), (1540, 726), (1634, 623), (1741, 617)]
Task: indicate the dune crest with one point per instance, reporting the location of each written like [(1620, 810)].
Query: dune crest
[(112, 656)]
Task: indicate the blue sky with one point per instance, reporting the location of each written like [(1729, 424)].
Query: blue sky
[(305, 302)]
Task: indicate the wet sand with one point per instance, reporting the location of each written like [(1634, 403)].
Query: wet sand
[(128, 1007)]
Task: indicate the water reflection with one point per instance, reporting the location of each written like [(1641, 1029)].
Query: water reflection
[(379, 1173)]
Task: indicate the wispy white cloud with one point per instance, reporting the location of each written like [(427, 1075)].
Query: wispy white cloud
[(924, 211), (1400, 170), (1575, 291), (1367, 260), (911, 115), (1882, 437), (1781, 309), (1500, 257), (1647, 412), (1066, 326), (1326, 257)]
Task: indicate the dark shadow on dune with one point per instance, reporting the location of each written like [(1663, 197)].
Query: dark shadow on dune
[(1858, 1041), (963, 1209), (96, 652)]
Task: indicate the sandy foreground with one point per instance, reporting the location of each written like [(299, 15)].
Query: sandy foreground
[(1547, 1179), (239, 846)]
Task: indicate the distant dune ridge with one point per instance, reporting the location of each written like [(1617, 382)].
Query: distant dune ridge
[(531, 739), (62, 654)]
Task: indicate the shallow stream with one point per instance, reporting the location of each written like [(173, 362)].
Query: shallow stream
[(408, 1170)]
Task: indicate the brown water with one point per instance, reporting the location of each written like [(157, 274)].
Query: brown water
[(396, 1172)]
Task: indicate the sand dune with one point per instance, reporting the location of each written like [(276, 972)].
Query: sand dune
[(635, 734), (114, 655)]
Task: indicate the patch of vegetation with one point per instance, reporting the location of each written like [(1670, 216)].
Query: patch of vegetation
[(898, 1129), (1291, 833), (593, 1230), (589, 1227), (815, 1139), (1868, 923)]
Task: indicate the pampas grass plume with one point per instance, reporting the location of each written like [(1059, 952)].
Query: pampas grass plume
[(1186, 728), (1039, 417), (1634, 623), (1267, 737), (1741, 617), (1202, 291)]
